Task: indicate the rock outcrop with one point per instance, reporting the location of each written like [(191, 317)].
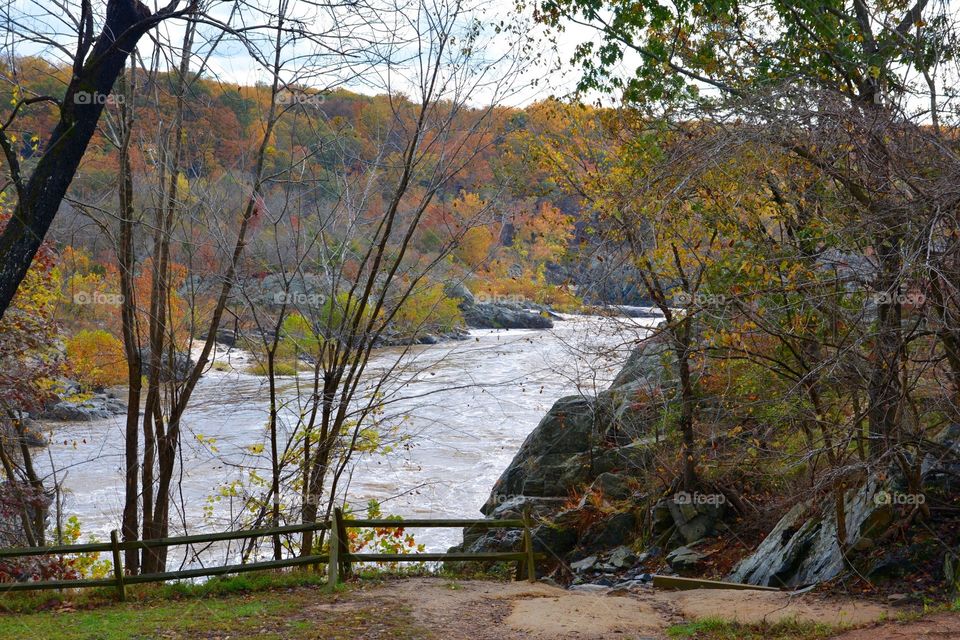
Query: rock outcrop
[(72, 405), (590, 444), (581, 472), (802, 548), (499, 313)]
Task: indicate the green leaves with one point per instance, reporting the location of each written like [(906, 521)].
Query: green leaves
[(738, 46)]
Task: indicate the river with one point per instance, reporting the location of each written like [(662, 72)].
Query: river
[(464, 410)]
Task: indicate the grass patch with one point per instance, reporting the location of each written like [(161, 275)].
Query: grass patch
[(39, 601), (719, 629), (279, 368), (291, 606)]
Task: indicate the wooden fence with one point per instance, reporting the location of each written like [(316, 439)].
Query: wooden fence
[(339, 560)]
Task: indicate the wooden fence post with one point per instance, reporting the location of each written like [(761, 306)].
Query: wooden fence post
[(528, 546), (118, 566), (333, 562), (346, 565)]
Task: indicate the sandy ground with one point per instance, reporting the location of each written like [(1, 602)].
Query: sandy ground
[(479, 610), (770, 606), (936, 627)]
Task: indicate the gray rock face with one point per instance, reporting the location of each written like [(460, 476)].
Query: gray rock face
[(540, 466), (497, 314), (684, 558), (610, 532), (583, 442), (98, 407), (488, 315), (612, 485), (802, 549), (645, 365), (459, 291), (573, 445)]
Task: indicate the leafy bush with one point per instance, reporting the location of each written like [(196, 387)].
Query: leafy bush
[(428, 309), (392, 540), (280, 368), (96, 359)]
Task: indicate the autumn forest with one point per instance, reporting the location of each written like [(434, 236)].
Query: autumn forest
[(677, 285)]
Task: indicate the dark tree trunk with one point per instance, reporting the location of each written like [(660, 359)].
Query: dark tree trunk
[(41, 195), (131, 341)]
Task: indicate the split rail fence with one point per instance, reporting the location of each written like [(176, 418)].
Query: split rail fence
[(339, 560)]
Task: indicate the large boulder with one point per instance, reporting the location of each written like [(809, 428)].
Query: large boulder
[(574, 443), (97, 407), (616, 530), (489, 315), (497, 313), (582, 437), (71, 404), (539, 466), (646, 366), (802, 548), (592, 445)]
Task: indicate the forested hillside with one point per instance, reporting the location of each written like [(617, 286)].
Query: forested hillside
[(698, 318)]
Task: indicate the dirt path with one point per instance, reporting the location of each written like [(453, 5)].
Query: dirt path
[(941, 626), (480, 610)]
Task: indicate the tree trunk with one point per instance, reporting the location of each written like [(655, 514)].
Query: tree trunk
[(40, 197), (131, 340)]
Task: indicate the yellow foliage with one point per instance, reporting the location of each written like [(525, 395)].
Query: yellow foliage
[(425, 309), (96, 359), (474, 246)]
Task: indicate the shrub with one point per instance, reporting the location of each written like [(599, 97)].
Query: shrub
[(428, 309), (96, 359), (280, 368)]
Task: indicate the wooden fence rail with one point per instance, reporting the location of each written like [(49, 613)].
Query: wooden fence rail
[(339, 560)]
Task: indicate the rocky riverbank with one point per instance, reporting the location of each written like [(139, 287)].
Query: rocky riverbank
[(585, 475), (71, 404)]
